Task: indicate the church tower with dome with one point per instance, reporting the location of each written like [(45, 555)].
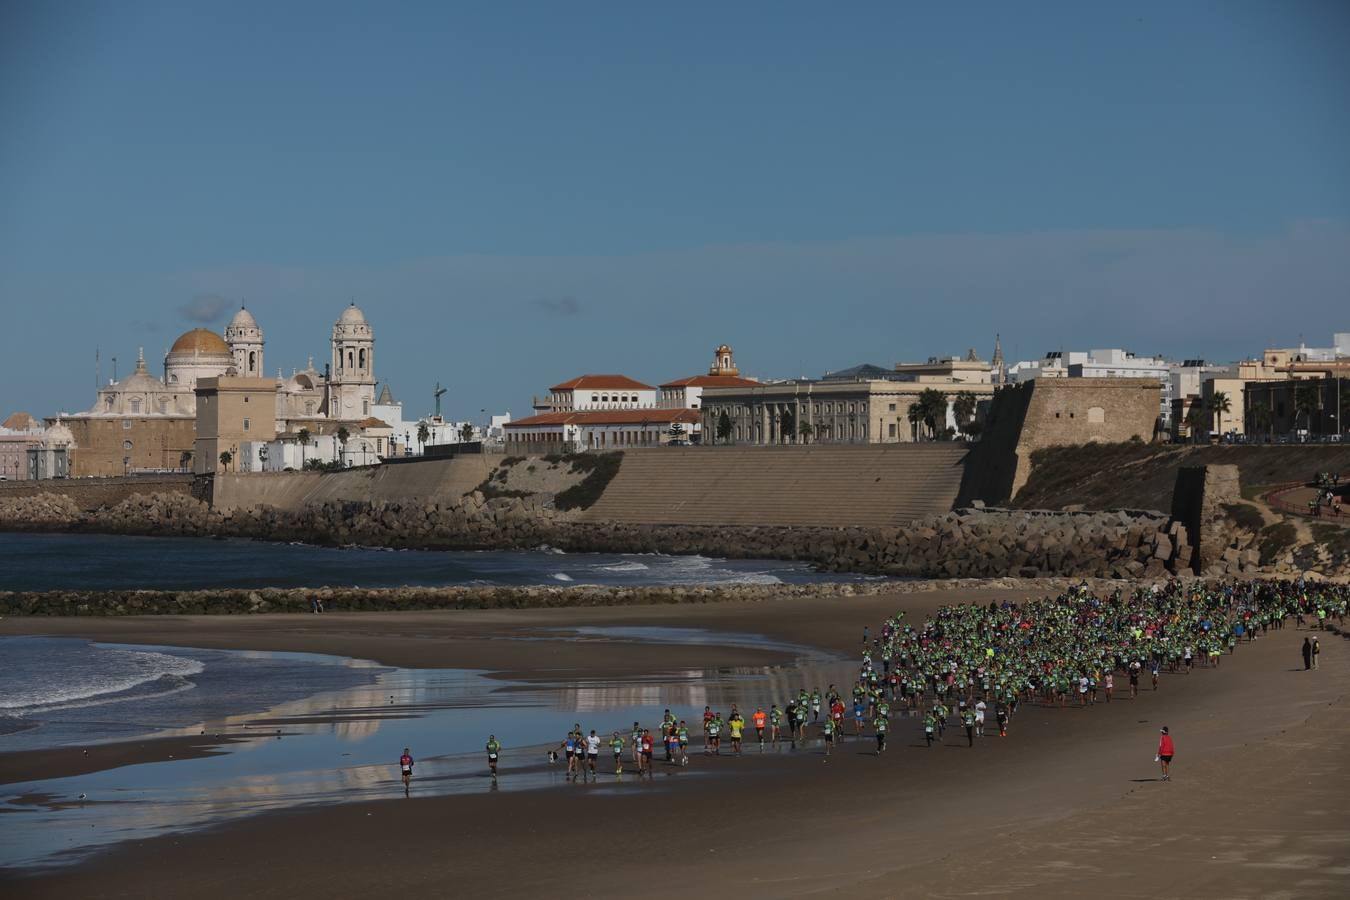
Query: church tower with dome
[(352, 379), (245, 340)]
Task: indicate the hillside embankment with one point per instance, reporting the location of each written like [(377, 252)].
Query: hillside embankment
[(1142, 476)]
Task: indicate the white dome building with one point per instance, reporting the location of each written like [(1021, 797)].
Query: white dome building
[(199, 353)]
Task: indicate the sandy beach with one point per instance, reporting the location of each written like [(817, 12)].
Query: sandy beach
[(1067, 805)]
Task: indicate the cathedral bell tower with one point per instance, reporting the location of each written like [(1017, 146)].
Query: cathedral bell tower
[(245, 340), (352, 389)]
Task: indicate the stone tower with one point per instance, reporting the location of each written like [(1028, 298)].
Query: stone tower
[(245, 340), (998, 368), (352, 388), (723, 363)]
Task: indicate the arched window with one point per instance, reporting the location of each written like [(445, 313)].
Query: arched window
[(362, 359), (252, 361), (135, 406), (349, 360)]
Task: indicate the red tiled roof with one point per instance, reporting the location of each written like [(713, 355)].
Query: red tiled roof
[(608, 417), (603, 383), (727, 381)]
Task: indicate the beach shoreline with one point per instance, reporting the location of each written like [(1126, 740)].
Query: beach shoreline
[(790, 824)]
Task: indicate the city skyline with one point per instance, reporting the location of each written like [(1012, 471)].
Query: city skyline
[(515, 199)]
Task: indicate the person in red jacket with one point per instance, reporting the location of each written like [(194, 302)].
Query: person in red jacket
[(1165, 753)]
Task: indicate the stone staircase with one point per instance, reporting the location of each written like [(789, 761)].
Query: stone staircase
[(869, 484)]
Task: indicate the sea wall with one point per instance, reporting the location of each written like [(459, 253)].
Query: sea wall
[(967, 543), (95, 493)]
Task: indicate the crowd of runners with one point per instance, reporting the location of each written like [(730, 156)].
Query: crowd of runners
[(970, 663)]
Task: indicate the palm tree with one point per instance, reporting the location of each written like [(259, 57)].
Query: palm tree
[(466, 432), (805, 431), (304, 442), (1260, 414), (915, 417), (1305, 402), (963, 408), (225, 458), (787, 425), (934, 405), (1218, 405), (1195, 420)]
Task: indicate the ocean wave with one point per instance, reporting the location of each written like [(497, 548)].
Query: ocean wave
[(626, 567), (149, 690), (116, 674), (560, 576)]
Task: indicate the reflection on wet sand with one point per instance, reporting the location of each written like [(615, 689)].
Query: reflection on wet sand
[(343, 747)]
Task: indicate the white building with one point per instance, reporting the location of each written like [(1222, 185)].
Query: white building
[(597, 392), (600, 429)]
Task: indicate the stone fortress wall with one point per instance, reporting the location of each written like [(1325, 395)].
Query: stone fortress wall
[(1054, 412)]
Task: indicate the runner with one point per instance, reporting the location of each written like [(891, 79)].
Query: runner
[(683, 737), (570, 748), (715, 735), (879, 725), (616, 744), (636, 737), (828, 728), (775, 721), (405, 765), (592, 752), (980, 707), (968, 720), (929, 727), (493, 749), (1165, 753), (760, 719), (815, 705), (647, 745), (735, 724)]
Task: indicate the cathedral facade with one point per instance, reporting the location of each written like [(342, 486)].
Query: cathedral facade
[(145, 422)]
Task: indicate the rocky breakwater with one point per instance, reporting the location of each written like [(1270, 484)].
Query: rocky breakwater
[(299, 600), (968, 543)]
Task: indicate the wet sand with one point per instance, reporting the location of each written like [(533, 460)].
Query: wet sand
[(1067, 805)]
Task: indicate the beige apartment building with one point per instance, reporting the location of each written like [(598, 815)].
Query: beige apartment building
[(231, 410), (842, 412)]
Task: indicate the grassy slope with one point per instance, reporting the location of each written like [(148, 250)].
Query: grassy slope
[(1141, 476)]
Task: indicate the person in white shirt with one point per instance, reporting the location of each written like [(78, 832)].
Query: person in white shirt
[(592, 751), (980, 707)]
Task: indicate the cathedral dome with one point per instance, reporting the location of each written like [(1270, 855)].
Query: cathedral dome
[(352, 315), (200, 340), (58, 436)]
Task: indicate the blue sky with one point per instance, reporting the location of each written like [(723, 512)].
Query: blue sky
[(518, 193)]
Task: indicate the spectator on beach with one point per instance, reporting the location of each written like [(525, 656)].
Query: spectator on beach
[(1307, 654), (1316, 652)]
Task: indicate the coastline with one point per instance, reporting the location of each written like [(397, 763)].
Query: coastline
[(1019, 815)]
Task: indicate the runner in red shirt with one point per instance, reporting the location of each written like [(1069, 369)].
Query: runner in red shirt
[(647, 744), (405, 765), (1165, 753)]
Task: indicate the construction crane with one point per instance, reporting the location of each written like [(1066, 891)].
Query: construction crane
[(439, 391)]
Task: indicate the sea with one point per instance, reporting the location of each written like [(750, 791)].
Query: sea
[(50, 562), (323, 729)]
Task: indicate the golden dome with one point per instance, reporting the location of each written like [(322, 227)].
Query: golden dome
[(200, 340)]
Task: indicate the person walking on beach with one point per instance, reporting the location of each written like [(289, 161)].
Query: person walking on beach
[(1165, 753), (493, 749), (405, 765), (1316, 652), (1307, 654)]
